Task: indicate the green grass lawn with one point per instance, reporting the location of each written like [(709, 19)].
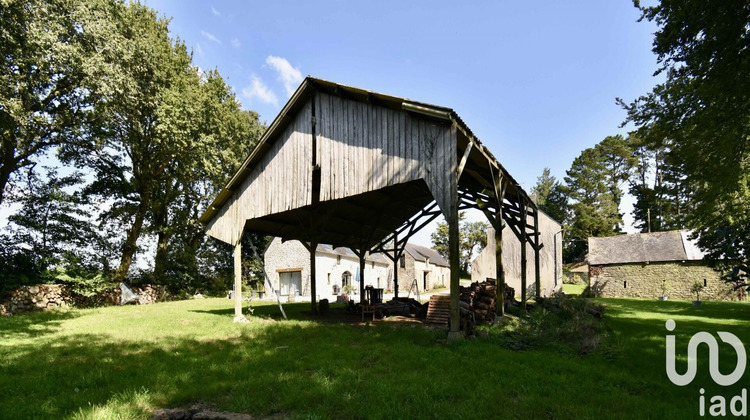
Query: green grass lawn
[(573, 289), (125, 362)]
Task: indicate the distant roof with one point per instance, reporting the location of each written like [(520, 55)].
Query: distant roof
[(422, 253), (674, 245), (346, 252)]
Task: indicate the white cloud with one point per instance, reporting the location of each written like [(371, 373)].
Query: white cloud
[(211, 37), (236, 43), (290, 76), (259, 90), (198, 49), (215, 12)]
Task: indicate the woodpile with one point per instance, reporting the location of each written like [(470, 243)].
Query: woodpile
[(480, 299)]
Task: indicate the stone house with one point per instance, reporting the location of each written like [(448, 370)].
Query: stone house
[(638, 265), (287, 265), (550, 259), (425, 265)]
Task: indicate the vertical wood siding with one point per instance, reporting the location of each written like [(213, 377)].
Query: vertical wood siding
[(361, 147)]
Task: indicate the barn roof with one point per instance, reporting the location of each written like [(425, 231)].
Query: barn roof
[(354, 221), (674, 245), (422, 253)]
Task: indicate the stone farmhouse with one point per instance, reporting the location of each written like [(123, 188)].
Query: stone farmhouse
[(649, 265), (423, 265), (550, 259), (337, 270), (287, 266)]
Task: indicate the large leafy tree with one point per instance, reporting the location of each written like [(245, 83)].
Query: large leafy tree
[(703, 108), (52, 228), (472, 237), (49, 67), (220, 136)]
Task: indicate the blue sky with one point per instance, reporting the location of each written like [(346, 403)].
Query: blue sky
[(536, 82)]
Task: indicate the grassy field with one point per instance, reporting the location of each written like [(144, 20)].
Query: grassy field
[(573, 289), (125, 362)]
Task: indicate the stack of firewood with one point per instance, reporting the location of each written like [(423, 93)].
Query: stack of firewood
[(480, 298)]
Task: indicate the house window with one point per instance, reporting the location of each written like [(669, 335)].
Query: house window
[(705, 283), (290, 283), (346, 279), (338, 259), (373, 265), (329, 278), (403, 261), (625, 284)]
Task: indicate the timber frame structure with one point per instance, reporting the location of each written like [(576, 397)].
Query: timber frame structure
[(350, 167)]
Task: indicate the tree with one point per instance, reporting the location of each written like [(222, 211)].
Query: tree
[(222, 135), (46, 78), (52, 229), (703, 109), (138, 127), (550, 197), (617, 161), (471, 236), (593, 211), (659, 187)]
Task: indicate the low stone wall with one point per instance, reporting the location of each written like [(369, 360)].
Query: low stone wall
[(645, 280), (53, 296)]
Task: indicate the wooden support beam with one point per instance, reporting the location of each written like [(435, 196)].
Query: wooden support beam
[(396, 262), (313, 278), (523, 259), (537, 274), (362, 253), (499, 271), (464, 159), (499, 190), (238, 317)]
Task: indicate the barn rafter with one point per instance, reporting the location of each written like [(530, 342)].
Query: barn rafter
[(349, 167)]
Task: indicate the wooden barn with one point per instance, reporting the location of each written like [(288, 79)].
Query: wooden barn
[(363, 170)]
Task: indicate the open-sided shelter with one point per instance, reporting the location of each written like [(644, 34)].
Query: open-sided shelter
[(363, 170)]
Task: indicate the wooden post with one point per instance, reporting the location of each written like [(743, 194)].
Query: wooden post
[(362, 276), (396, 264), (523, 253), (499, 271), (537, 274), (238, 317), (313, 277), (454, 263)]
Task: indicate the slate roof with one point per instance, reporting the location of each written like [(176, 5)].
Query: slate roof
[(346, 252), (674, 245), (422, 253)]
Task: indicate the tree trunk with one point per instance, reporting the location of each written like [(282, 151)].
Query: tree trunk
[(130, 246), (162, 251), (9, 165)]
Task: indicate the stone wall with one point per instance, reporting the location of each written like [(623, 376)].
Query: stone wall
[(54, 296), (645, 280), (406, 275)]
